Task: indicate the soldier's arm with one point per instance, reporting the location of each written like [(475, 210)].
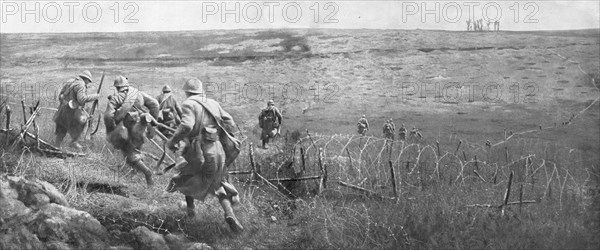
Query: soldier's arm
[(109, 121), (278, 115), (177, 109), (188, 120), (151, 104), (82, 96), (228, 123)]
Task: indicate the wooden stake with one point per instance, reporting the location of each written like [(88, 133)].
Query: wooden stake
[(303, 161), (393, 176), (24, 113), (8, 111), (458, 146), (438, 148), (507, 194), (251, 154)]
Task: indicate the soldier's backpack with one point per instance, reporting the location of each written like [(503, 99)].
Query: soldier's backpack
[(268, 116)]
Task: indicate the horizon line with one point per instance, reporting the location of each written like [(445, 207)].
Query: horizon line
[(279, 29)]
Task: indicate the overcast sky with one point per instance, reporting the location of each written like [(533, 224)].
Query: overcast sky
[(112, 16)]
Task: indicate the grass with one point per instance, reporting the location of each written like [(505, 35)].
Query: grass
[(557, 166)]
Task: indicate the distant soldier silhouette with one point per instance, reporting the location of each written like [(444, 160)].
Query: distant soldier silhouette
[(415, 133), (362, 125), (169, 111), (488, 25), (128, 116), (71, 116), (389, 129), (497, 25), (402, 132), (468, 24), (269, 121)]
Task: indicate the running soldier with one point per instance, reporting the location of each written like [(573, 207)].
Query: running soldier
[(128, 117), (209, 148), (269, 121), (169, 111), (362, 125), (71, 116)]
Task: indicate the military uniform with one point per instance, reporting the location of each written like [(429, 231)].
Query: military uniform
[(402, 132), (127, 117), (269, 121), (362, 125), (209, 148), (71, 116), (170, 111)]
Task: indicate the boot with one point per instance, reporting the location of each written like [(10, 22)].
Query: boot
[(264, 144), (76, 146), (233, 223), (191, 212), (147, 173), (59, 139)]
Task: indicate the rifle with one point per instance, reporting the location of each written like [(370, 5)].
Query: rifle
[(94, 105)]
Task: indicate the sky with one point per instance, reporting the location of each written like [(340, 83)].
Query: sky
[(127, 16)]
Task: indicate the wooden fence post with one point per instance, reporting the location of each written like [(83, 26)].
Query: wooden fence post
[(507, 194), (303, 162), (323, 178), (254, 172), (24, 113), (8, 111), (457, 146), (393, 176)]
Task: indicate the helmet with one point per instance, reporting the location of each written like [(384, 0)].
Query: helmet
[(193, 85), (86, 74), (270, 102), (166, 89), (121, 81)]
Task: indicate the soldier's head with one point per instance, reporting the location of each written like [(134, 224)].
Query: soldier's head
[(86, 76), (363, 116), (192, 87), (121, 84), (166, 89), (270, 104)]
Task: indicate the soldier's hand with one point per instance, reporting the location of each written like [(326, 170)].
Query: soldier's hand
[(171, 145), (150, 133)]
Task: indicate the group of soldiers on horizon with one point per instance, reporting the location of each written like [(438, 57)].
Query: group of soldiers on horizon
[(389, 129), (199, 129), (478, 25)]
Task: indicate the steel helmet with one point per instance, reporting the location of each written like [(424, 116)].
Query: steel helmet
[(86, 74), (270, 102), (121, 81), (166, 89), (193, 85)]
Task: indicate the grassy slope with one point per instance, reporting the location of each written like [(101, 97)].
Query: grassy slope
[(367, 70)]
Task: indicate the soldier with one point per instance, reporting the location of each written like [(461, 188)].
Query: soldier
[(402, 132), (209, 149), (128, 117), (169, 110), (387, 130), (269, 121), (393, 126), (468, 24), (71, 115), (362, 125)]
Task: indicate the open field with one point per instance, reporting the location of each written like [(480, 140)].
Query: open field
[(539, 89)]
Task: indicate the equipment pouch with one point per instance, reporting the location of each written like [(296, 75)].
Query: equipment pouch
[(210, 134)]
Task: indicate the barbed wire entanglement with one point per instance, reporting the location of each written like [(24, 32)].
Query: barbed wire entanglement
[(365, 162)]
